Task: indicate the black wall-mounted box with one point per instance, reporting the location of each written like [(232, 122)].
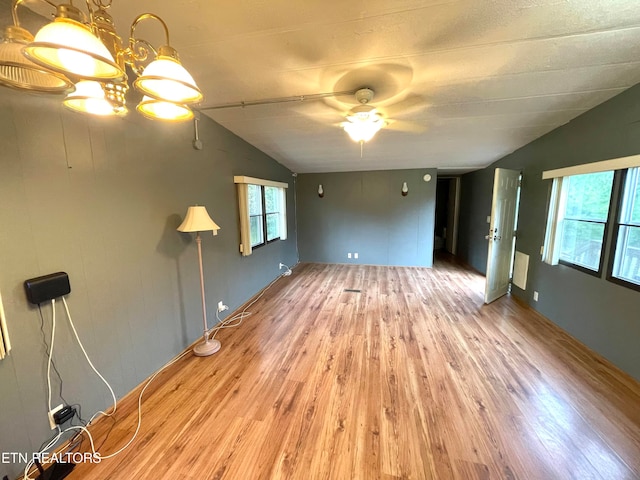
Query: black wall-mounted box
[(47, 287)]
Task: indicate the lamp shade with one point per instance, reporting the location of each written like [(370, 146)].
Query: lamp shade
[(162, 110), (166, 79), (197, 219), (67, 46), (89, 97), (17, 71)]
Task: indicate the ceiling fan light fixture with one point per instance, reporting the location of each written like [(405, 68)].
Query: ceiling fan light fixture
[(364, 121), (363, 124)]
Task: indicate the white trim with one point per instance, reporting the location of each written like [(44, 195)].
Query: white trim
[(245, 228), (5, 344), (283, 214), (259, 181), (551, 249), (603, 166)]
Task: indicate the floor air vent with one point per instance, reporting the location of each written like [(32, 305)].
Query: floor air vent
[(353, 290)]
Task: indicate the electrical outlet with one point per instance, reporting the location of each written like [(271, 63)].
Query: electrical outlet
[(488, 218), (355, 255), (52, 422), (535, 296), (542, 250), (349, 255), (222, 307)]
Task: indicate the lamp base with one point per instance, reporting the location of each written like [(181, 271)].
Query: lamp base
[(204, 349)]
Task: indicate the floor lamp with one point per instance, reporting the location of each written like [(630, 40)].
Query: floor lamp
[(198, 220)]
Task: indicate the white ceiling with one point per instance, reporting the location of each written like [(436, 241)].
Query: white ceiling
[(463, 83)]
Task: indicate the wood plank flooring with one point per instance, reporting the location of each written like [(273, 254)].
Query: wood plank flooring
[(410, 378)]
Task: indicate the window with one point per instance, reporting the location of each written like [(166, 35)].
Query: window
[(272, 210), (584, 208), (264, 214), (262, 206), (585, 201), (578, 219), (626, 260), (256, 215)]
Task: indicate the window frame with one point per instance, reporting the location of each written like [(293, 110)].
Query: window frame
[(553, 234), (263, 215), (261, 223), (605, 233), (243, 183), (616, 224)]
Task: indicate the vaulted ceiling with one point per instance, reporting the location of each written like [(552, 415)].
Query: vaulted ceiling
[(462, 83)]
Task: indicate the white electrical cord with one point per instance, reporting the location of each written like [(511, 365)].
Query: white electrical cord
[(29, 465), (227, 323), (135, 434), (238, 318), (113, 396), (49, 362), (50, 359)]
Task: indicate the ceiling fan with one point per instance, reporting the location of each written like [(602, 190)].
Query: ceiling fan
[(362, 121)]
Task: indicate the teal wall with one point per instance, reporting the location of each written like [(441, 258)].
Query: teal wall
[(101, 200), (597, 312), (365, 212)]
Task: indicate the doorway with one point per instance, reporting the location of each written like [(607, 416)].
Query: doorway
[(447, 213)]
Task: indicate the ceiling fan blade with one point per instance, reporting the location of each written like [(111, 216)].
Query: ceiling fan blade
[(406, 126), (411, 104)]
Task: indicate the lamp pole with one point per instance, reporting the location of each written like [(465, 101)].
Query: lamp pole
[(208, 347), (204, 303), (195, 221)]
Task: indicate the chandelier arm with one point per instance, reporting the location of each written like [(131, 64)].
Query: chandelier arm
[(145, 16), (137, 53), (14, 10)]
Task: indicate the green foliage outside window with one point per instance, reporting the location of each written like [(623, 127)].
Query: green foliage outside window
[(587, 207)]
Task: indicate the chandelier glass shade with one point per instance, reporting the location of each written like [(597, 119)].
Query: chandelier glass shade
[(165, 78), (91, 97), (67, 46), (159, 109), (86, 50), (17, 71)]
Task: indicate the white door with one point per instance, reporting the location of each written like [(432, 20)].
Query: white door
[(501, 233)]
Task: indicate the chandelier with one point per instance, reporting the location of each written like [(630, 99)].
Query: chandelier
[(83, 57)]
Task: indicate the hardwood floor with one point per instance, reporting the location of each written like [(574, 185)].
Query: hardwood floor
[(410, 378)]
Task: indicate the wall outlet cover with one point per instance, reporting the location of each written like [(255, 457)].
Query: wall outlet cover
[(52, 422)]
